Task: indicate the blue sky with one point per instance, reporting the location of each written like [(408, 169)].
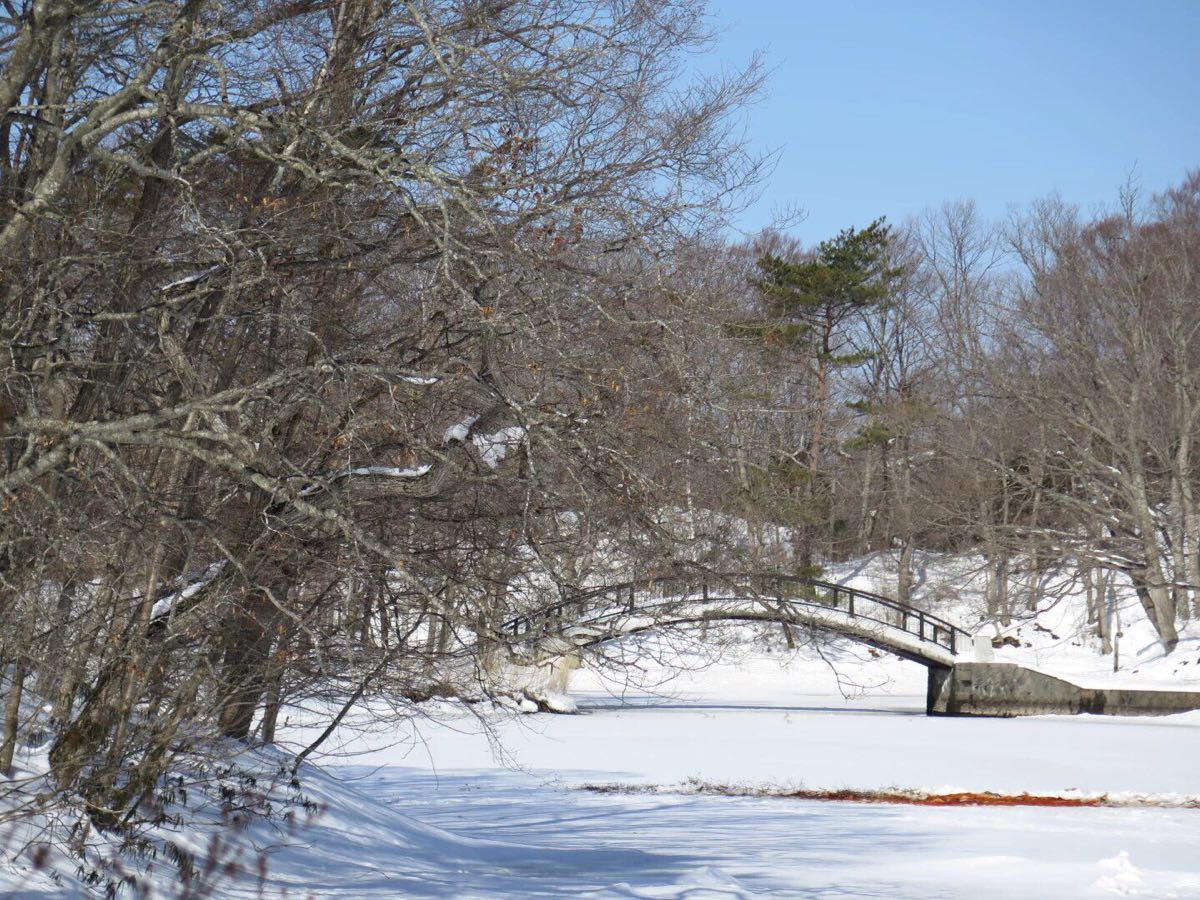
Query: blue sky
[(889, 107)]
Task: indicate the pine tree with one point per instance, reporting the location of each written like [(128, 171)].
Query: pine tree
[(813, 298), (810, 302)]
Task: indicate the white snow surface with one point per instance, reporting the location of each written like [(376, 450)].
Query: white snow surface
[(451, 805), (494, 447), (755, 719), (1056, 639)]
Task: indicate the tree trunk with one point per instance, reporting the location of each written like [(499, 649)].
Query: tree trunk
[(273, 702), (243, 670), (51, 673), (1105, 598), (12, 715), (1002, 588), (247, 664), (905, 575)]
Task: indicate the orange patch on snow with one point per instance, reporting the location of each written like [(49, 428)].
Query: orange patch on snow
[(910, 798), (962, 798)]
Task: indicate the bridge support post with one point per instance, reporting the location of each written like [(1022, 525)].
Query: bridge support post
[(940, 678)]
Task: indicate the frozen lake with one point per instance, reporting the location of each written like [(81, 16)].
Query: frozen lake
[(761, 725)]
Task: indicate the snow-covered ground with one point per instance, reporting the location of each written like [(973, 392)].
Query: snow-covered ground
[(452, 806), (764, 720), (1057, 639)]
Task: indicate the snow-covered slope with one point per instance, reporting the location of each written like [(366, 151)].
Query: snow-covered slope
[(1056, 637), (335, 836)]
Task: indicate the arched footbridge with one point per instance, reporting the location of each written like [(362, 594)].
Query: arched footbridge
[(615, 611), (962, 680)]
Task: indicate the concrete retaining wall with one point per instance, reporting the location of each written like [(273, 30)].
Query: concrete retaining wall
[(1004, 689)]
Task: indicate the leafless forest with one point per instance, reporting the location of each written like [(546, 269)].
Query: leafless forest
[(337, 332)]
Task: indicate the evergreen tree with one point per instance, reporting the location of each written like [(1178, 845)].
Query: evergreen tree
[(811, 301)]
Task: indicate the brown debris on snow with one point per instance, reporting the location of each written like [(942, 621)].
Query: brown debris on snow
[(907, 797)]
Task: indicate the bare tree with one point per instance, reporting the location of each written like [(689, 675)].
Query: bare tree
[(327, 323)]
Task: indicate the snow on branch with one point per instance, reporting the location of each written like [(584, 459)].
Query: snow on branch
[(385, 471), (494, 447), (367, 471), (189, 279), (164, 605), (459, 431)]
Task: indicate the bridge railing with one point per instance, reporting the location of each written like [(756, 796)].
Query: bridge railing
[(660, 593)]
